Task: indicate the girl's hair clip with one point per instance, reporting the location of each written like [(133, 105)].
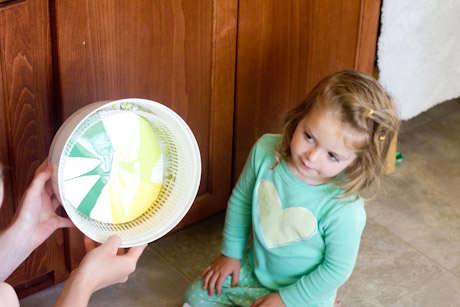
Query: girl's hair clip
[(382, 138), (371, 111)]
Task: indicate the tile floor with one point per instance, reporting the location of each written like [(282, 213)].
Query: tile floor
[(410, 251)]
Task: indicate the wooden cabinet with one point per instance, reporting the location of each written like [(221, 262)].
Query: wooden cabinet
[(27, 125), (178, 53), (284, 49), (228, 68)]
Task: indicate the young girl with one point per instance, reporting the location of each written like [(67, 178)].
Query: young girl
[(301, 193)]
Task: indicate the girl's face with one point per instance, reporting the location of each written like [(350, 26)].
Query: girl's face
[(318, 152)]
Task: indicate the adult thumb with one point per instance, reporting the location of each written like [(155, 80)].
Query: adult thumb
[(112, 243)]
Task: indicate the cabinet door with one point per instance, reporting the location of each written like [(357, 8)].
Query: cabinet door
[(285, 48), (178, 53), (26, 125)]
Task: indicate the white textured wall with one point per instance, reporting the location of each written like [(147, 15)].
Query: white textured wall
[(419, 53)]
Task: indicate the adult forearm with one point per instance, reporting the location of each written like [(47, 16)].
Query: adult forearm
[(76, 292), (8, 296), (12, 251)]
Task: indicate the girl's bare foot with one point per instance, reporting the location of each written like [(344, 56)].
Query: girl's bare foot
[(337, 303)]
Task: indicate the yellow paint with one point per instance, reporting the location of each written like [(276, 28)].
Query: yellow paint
[(140, 169)]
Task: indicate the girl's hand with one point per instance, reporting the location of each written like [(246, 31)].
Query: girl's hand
[(215, 274), (270, 300)]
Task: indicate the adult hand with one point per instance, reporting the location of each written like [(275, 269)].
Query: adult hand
[(269, 300), (34, 221), (36, 216), (100, 268), (90, 244), (216, 273), (104, 267)]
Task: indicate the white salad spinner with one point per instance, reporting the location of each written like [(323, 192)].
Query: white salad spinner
[(179, 177)]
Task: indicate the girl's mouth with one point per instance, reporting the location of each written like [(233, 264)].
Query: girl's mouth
[(306, 166)]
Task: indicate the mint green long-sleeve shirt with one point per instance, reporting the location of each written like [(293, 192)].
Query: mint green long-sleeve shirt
[(305, 242)]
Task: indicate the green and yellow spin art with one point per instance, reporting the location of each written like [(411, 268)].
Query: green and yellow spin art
[(114, 168)]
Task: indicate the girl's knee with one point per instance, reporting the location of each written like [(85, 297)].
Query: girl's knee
[(196, 296)]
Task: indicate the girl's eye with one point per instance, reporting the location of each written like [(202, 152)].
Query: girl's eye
[(333, 157), (308, 137)]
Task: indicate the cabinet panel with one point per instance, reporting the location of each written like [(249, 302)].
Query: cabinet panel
[(178, 53), (159, 50), (284, 49), (26, 125)]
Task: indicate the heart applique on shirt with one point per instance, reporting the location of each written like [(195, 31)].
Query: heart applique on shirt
[(282, 226)]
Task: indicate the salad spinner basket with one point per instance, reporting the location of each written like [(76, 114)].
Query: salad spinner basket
[(180, 176)]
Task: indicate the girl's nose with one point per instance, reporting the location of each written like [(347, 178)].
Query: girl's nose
[(312, 155)]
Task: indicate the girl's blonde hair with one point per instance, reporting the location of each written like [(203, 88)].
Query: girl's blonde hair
[(368, 119)]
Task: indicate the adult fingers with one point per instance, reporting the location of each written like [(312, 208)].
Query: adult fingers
[(41, 178), (42, 166), (136, 251), (49, 188), (64, 222), (55, 202)]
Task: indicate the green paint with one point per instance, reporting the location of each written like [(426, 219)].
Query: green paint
[(88, 203), (94, 143)]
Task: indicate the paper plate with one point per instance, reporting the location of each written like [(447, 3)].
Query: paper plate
[(129, 167)]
